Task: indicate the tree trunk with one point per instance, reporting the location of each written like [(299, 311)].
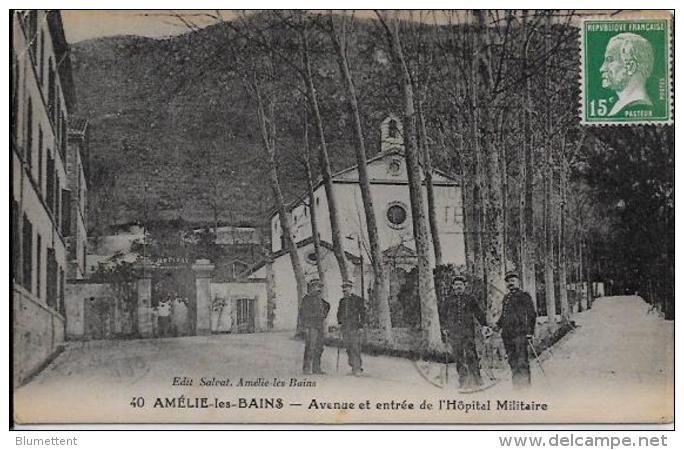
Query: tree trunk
[(380, 277), (562, 250), (588, 267), (548, 194), (324, 162), (427, 168), (467, 194), (313, 215), (503, 171), (548, 243), (268, 141), (493, 256), (580, 265), (529, 277), (426, 282)]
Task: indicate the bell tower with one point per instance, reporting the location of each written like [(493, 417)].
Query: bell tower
[(391, 134)]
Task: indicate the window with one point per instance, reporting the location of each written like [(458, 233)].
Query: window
[(394, 167), (28, 142), (51, 276), (58, 203), (51, 90), (311, 257), (62, 308), (64, 135), (39, 255), (15, 96), (66, 212), (392, 129), (396, 215), (40, 159), (50, 183), (27, 253), (16, 247)]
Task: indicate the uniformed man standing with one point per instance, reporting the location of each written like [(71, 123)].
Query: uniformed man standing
[(517, 323), (351, 316), (458, 313), (314, 311)]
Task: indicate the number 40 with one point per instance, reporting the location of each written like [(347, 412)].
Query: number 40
[(598, 108)]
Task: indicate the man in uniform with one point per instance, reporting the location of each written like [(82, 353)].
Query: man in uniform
[(351, 316), (458, 313), (314, 312), (517, 323)]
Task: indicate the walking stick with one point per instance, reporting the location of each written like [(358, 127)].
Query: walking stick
[(536, 356), (446, 357), (337, 365)]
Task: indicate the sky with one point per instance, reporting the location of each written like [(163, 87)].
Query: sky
[(80, 25)]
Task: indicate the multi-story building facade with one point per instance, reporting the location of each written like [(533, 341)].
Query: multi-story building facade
[(76, 201), (42, 96)]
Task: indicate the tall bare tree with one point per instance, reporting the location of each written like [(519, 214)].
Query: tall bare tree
[(426, 283), (313, 214), (323, 157), (341, 40)]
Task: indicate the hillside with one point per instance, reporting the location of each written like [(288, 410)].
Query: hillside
[(164, 113)]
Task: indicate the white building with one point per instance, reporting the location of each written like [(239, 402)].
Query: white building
[(391, 201), (42, 97), (76, 201)]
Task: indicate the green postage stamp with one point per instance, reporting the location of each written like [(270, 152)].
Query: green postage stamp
[(626, 71)]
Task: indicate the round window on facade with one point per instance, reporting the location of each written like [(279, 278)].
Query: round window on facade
[(396, 215), (311, 257), (394, 167)]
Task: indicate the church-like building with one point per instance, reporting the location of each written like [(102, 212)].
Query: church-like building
[(390, 192)]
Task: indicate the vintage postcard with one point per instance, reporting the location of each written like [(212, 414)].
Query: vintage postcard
[(342, 217)]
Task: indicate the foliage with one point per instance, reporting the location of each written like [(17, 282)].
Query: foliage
[(494, 87), (407, 305), (631, 177)]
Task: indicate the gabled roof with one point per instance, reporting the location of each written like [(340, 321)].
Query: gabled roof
[(303, 243), (379, 156), (338, 177)]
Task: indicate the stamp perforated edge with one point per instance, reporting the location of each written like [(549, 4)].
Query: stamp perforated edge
[(667, 16)]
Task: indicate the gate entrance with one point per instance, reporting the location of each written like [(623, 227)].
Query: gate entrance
[(245, 312), (98, 318), (111, 315), (174, 301)]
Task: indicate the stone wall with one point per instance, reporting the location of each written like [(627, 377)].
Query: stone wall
[(38, 335), (224, 304), (120, 299)]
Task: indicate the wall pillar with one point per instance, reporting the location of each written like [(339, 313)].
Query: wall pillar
[(203, 273), (144, 288)]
